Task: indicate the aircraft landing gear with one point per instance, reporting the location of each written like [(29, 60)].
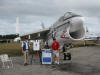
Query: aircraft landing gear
[(66, 52), (69, 56)]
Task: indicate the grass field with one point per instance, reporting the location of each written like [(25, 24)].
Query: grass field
[(14, 49), (81, 43)]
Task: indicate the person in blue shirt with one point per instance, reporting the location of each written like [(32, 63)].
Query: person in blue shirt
[(25, 50)]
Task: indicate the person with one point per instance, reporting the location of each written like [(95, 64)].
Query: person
[(55, 47), (46, 46), (25, 50)]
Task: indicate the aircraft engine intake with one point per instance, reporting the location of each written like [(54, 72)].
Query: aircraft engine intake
[(76, 29)]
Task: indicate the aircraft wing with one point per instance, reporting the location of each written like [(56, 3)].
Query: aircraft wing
[(40, 34)]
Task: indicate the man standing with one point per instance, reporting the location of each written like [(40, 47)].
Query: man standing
[(25, 50), (55, 47)]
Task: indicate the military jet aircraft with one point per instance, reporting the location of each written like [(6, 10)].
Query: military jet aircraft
[(67, 29)]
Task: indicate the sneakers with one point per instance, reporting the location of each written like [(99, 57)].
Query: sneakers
[(56, 62), (25, 64)]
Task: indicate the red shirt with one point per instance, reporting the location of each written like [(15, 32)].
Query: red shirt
[(55, 45)]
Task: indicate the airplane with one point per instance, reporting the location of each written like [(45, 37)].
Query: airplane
[(67, 29), (90, 36)]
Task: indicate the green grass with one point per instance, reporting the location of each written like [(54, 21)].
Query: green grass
[(81, 43), (12, 49)]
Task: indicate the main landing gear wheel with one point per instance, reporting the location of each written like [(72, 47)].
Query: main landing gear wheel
[(69, 56)]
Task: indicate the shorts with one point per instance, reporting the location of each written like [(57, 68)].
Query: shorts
[(56, 53)]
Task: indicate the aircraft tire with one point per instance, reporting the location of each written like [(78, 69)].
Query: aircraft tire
[(69, 56)]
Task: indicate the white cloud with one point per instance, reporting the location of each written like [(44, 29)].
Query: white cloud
[(32, 12), (93, 24)]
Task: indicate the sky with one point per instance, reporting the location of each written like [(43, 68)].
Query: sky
[(32, 13)]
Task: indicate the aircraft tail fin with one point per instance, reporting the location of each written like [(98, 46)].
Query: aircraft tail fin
[(42, 25)]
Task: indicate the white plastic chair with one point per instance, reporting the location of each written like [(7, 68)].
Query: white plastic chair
[(6, 62)]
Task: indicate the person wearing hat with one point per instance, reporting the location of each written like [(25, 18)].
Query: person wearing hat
[(25, 50)]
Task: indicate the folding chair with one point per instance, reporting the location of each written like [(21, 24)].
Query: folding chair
[(6, 62)]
